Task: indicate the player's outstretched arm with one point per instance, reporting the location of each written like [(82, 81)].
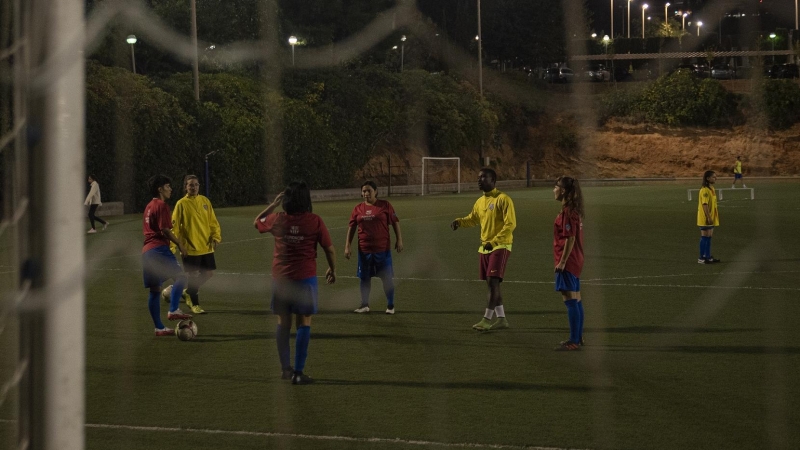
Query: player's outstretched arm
[(330, 255), (271, 207)]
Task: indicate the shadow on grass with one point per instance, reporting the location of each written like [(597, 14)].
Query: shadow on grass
[(487, 385)]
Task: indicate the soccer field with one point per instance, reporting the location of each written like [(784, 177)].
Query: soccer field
[(677, 355)]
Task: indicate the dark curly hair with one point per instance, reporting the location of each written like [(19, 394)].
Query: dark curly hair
[(573, 198)]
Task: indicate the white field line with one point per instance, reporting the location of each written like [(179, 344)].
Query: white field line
[(596, 282), (313, 437), (316, 437)]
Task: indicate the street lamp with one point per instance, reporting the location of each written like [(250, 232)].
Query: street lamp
[(666, 13), (629, 18), (195, 61), (772, 37), (132, 40), (594, 35), (479, 38), (612, 17), (683, 21), (644, 7), (402, 50), (699, 24), (292, 42)]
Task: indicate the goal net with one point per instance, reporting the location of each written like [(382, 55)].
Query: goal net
[(440, 175)]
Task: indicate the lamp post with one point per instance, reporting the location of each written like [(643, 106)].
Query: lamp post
[(292, 42), (772, 37), (644, 7), (683, 21), (629, 18), (132, 40), (666, 13), (479, 38), (195, 62), (594, 35), (402, 51), (612, 17), (699, 24)]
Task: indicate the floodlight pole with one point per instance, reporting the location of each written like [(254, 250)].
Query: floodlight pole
[(208, 178), (195, 62)]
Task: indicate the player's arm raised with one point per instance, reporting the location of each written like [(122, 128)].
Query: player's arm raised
[(271, 207)]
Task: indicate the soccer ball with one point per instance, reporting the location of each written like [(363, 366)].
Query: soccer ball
[(186, 330), (167, 292)]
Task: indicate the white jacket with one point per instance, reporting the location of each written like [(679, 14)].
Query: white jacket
[(94, 195)]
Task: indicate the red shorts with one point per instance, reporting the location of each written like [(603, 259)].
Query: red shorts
[(494, 264)]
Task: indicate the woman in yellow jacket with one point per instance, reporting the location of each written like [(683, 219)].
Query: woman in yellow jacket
[(196, 226)]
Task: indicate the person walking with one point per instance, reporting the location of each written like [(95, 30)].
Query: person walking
[(93, 202)]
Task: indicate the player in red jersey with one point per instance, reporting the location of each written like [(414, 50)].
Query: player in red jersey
[(372, 217), (297, 232), (158, 262), (568, 256)]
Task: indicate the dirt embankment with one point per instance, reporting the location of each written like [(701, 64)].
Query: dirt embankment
[(619, 150)]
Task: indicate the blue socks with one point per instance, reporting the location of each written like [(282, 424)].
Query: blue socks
[(574, 316), (154, 305), (301, 347), (580, 322), (282, 339), (365, 288), (388, 289), (177, 292), (705, 247)]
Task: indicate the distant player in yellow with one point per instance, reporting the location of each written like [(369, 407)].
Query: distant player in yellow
[(707, 216), (195, 225), (494, 212), (737, 172)]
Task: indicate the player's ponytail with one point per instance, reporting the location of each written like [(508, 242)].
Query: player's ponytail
[(706, 175), (573, 198)]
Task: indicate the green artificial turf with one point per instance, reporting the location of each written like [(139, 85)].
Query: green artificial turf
[(678, 355)]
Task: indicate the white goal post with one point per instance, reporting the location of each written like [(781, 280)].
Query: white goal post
[(425, 167)]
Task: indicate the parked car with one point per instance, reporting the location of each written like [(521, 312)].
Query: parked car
[(596, 73), (723, 72), (558, 75), (783, 71)]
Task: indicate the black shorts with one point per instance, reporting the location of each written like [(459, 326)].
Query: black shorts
[(199, 262)]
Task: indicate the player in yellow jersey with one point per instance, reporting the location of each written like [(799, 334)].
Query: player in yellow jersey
[(494, 212), (196, 225), (707, 216), (737, 172)]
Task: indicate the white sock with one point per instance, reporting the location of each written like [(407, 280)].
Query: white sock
[(500, 311), (489, 314)]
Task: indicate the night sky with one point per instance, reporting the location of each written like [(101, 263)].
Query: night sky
[(781, 10)]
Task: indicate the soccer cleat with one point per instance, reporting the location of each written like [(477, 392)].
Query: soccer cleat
[(286, 374), (105, 225), (301, 378), (178, 315), (165, 332), (362, 310), (712, 260), (501, 324), (198, 310), (483, 325), (567, 346), (91, 231), (702, 261), (188, 300), (390, 310), (581, 342)]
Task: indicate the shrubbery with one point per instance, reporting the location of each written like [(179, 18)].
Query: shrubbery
[(781, 103), (322, 127)]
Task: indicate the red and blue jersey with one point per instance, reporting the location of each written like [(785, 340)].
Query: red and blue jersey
[(373, 226), (568, 224), (157, 218), (296, 239)]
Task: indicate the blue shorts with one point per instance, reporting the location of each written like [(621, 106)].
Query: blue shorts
[(566, 281), (159, 264), (294, 296), (737, 176), (374, 265)]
